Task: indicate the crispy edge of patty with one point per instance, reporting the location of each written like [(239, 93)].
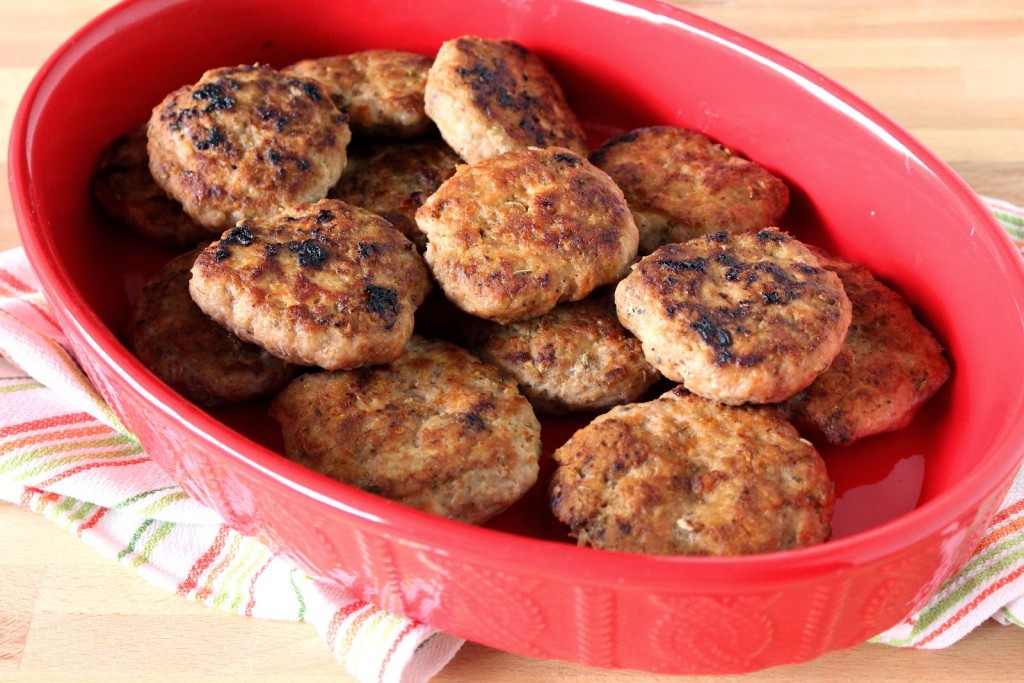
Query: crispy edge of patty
[(890, 365)]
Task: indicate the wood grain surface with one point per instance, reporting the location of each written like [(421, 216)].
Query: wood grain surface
[(950, 71)]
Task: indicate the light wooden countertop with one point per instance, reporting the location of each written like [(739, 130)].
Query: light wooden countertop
[(950, 71)]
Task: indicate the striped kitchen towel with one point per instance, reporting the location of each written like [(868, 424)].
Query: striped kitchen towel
[(64, 454)]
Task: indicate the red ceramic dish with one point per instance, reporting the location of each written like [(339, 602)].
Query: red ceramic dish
[(911, 504)]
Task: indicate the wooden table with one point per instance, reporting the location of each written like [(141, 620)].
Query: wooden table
[(950, 71)]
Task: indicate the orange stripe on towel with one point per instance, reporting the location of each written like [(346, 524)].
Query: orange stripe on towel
[(999, 534), (394, 648), (203, 563), (1007, 512), (252, 586), (92, 521), (969, 607), (203, 593), (45, 423), (66, 434), (352, 629), (15, 282), (90, 466), (11, 280), (339, 618)]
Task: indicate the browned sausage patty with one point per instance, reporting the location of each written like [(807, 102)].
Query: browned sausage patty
[(736, 318), (381, 91), (682, 475), (246, 142), (394, 180), (196, 356), (576, 358), (125, 189), (324, 284), (511, 236), (679, 184), (437, 430), (889, 366), (489, 97)]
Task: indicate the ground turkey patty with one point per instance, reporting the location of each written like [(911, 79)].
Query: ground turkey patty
[(511, 236), (393, 180), (246, 142), (125, 189), (680, 184), (684, 475), (381, 91), (889, 366), (198, 357), (437, 430), (489, 97), (324, 284), (736, 318), (575, 358)]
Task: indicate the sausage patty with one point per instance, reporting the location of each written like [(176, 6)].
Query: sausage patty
[(511, 236), (381, 91), (198, 357), (125, 188), (489, 97), (888, 367), (736, 318), (393, 181), (682, 475), (680, 184), (324, 284), (437, 430), (576, 358), (246, 142)]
